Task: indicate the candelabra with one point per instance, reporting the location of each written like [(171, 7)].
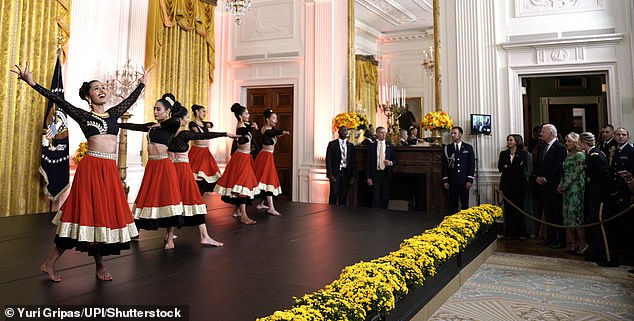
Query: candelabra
[(123, 82), (392, 112), (237, 8)]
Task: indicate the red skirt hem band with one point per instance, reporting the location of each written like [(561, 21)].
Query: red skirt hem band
[(154, 213), (98, 234), (202, 176), (275, 190)]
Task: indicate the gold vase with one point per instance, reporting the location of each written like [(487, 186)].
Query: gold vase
[(437, 136), (355, 136)]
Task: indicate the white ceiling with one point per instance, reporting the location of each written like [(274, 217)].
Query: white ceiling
[(395, 16)]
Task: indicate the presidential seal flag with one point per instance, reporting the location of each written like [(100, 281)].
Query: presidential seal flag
[(54, 164)]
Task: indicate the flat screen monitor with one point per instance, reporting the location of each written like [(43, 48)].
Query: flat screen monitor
[(480, 124)]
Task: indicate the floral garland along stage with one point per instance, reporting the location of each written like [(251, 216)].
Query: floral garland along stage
[(373, 287), (351, 120), (437, 120)]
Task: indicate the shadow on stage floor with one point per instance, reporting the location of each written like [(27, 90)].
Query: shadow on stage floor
[(258, 271)]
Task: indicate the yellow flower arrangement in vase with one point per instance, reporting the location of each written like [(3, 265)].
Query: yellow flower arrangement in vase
[(355, 122), (437, 120), (80, 152)]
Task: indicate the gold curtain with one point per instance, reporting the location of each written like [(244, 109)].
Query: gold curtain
[(179, 51), (367, 85), (29, 34)]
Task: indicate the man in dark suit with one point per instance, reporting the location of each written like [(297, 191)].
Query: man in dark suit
[(548, 175), (407, 119), (622, 162), (341, 167), (608, 144), (402, 134), (458, 167), (380, 161), (598, 191)]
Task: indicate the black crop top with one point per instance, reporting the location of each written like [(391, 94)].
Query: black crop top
[(201, 129), (179, 143), (269, 137), (158, 135), (245, 134), (92, 124)]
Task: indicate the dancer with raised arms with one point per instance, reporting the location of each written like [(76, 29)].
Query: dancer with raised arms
[(95, 218)]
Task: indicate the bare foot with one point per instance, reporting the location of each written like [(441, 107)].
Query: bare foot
[(103, 275), (273, 212), (261, 206), (236, 213), (210, 242), (169, 245), (46, 269), (173, 237), (246, 221)]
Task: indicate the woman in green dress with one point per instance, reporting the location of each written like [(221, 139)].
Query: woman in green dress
[(572, 187)]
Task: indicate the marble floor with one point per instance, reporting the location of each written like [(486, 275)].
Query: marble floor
[(512, 286)]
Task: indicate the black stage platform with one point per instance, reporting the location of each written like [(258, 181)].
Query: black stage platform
[(258, 271)]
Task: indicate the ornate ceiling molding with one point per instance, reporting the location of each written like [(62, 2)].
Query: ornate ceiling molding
[(408, 36), (389, 10), (424, 4)]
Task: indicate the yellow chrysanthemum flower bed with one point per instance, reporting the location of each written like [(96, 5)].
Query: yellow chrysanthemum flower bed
[(373, 287)]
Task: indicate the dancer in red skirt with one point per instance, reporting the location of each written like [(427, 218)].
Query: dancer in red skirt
[(264, 166), (203, 164), (158, 203), (238, 184), (95, 218), (194, 209)]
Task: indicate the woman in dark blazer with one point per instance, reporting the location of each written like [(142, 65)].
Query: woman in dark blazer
[(513, 163)]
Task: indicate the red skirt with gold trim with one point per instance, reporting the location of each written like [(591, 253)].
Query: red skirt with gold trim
[(238, 180), (194, 208), (95, 218), (159, 202), (203, 164), (266, 173)]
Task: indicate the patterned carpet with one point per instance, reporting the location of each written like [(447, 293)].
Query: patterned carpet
[(510, 287)]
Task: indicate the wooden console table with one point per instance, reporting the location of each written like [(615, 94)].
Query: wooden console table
[(418, 168)]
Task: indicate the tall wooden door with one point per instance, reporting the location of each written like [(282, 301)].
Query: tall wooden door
[(281, 101)]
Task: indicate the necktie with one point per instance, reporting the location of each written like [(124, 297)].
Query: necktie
[(343, 154), (456, 147), (382, 155)]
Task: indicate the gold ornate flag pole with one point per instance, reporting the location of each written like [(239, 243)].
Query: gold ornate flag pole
[(437, 80)]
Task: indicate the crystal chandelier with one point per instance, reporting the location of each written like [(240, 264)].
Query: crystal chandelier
[(237, 8), (123, 82), (428, 61)]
